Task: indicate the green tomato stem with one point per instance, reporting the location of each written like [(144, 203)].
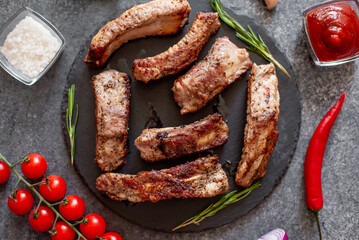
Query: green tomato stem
[(41, 183), (58, 203), (84, 220), (25, 159), (42, 200), (19, 162), (36, 213), (13, 191), (53, 230)]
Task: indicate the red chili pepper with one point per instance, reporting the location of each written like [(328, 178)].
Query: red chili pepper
[(314, 159)]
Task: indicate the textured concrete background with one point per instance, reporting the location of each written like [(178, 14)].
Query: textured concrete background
[(30, 122)]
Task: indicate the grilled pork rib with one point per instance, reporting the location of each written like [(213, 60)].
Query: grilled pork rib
[(260, 134), (162, 143), (112, 99), (181, 54), (201, 178), (158, 17), (224, 63)]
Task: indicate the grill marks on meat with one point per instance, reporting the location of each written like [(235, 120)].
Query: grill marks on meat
[(224, 63), (163, 143), (201, 178), (112, 99), (261, 131), (180, 55), (158, 17)]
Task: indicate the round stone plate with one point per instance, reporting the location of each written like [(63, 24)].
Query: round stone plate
[(155, 98)]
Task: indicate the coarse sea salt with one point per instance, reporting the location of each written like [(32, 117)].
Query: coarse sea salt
[(30, 47)]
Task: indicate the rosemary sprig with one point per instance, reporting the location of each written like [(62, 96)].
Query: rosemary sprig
[(255, 42), (41, 199), (212, 209), (69, 113)]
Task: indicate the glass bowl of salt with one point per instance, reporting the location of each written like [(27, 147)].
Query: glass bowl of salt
[(29, 46)]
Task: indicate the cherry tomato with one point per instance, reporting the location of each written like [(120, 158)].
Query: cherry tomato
[(63, 232), (44, 219), (4, 172), (73, 209), (34, 167), (111, 236), (23, 204), (95, 226), (57, 188)]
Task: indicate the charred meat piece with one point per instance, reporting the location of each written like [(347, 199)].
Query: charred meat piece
[(158, 17), (162, 143), (180, 55), (261, 133), (224, 63), (112, 100), (201, 178)]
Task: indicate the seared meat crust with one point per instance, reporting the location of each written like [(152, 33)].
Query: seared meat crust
[(201, 178), (261, 133), (163, 143), (181, 54), (224, 63), (158, 17), (112, 100)]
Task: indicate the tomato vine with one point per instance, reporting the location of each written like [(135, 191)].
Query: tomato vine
[(41, 198)]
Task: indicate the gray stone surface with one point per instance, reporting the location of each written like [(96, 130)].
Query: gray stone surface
[(30, 122)]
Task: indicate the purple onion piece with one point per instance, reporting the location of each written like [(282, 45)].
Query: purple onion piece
[(276, 234)]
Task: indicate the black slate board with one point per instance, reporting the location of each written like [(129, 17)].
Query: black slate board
[(167, 214)]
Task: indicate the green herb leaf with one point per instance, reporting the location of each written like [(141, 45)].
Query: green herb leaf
[(71, 127), (212, 209), (256, 43)]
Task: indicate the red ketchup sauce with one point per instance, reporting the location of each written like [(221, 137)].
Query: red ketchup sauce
[(334, 32)]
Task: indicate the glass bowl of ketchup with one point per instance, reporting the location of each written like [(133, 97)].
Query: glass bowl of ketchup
[(332, 30)]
